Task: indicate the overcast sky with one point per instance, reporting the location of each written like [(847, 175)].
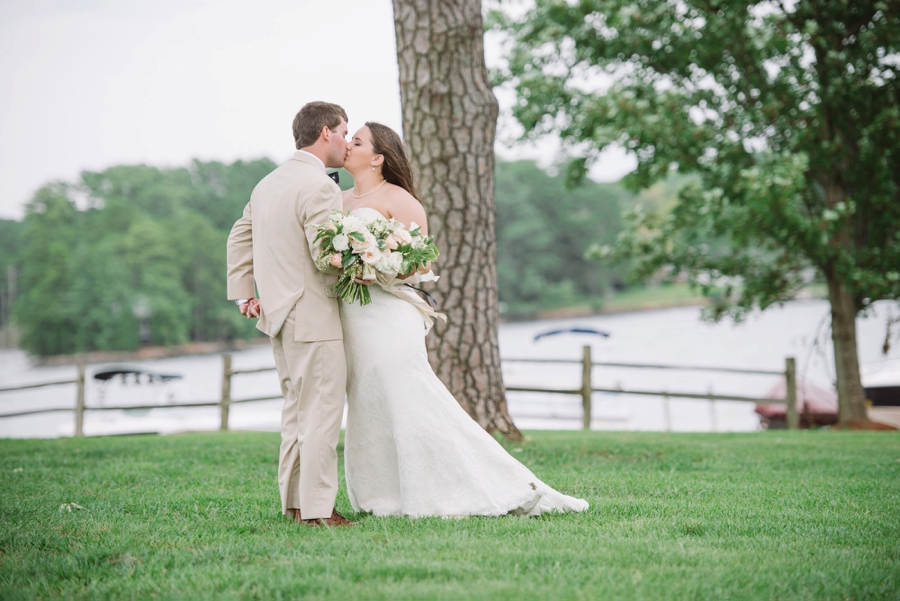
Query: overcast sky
[(87, 84)]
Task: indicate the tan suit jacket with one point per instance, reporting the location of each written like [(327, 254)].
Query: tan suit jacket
[(272, 248), (272, 245)]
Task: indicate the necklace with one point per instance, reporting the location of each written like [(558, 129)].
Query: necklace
[(352, 193)]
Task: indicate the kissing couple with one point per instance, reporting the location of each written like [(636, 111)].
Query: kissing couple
[(409, 448)]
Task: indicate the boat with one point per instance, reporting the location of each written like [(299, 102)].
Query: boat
[(136, 375), (124, 385), (815, 406), (819, 407), (882, 383)]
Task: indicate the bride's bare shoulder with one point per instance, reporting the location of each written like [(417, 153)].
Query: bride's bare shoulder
[(400, 198), (404, 207)]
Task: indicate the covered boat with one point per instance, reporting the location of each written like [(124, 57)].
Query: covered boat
[(815, 406)]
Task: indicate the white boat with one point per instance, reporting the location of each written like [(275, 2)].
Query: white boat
[(882, 383)]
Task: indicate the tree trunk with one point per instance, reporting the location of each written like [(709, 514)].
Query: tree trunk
[(449, 123), (851, 396)]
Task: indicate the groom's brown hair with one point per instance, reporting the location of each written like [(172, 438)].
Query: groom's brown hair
[(312, 118)]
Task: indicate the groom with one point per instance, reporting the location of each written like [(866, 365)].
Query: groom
[(273, 246)]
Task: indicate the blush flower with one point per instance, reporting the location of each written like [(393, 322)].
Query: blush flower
[(402, 235), (371, 256), (362, 246)]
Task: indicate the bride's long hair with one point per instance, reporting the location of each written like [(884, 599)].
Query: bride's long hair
[(395, 168)]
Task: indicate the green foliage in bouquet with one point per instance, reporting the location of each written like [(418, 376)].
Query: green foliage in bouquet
[(346, 287), (367, 249), (415, 256)]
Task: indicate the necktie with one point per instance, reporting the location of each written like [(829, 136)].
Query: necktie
[(335, 176)]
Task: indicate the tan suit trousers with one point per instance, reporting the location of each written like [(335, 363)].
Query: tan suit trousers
[(313, 379)]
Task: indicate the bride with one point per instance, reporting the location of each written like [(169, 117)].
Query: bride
[(409, 448)]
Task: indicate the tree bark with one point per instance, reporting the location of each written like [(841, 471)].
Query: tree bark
[(844, 305), (851, 395), (449, 124)]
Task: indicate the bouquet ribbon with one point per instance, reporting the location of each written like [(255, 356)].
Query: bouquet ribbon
[(410, 295)]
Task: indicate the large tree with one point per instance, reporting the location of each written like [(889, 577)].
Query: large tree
[(787, 111), (449, 124)]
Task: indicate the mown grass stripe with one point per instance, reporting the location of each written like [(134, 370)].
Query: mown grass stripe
[(774, 515)]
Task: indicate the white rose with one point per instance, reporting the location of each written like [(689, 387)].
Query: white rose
[(341, 242), (352, 224), (384, 264), (390, 264), (392, 241), (371, 256), (396, 262)]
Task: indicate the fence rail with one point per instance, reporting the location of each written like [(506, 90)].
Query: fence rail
[(587, 387), (585, 391), (735, 370), (39, 385)]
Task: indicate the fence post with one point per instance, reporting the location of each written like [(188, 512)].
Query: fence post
[(790, 380), (226, 390), (713, 420), (586, 386), (79, 400), (667, 412)]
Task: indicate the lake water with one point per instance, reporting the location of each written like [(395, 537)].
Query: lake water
[(675, 336)]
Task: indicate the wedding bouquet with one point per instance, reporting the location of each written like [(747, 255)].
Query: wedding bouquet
[(374, 250)]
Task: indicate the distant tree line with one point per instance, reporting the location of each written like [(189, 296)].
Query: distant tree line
[(543, 233), (135, 255), (130, 255)]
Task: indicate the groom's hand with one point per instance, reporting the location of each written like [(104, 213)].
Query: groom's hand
[(250, 309)]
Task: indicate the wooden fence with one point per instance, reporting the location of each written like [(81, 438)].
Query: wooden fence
[(587, 388), (585, 391)]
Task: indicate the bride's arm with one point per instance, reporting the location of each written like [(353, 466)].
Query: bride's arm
[(407, 210)]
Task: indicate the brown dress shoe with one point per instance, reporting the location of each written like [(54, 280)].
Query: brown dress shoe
[(336, 519), (297, 517)]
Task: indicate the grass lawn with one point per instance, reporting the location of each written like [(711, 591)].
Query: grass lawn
[(773, 515)]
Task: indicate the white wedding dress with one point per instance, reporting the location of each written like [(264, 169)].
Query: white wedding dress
[(409, 448)]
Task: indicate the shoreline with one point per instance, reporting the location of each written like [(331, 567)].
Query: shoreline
[(587, 311), (209, 348), (149, 352), (632, 306), (565, 312)]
